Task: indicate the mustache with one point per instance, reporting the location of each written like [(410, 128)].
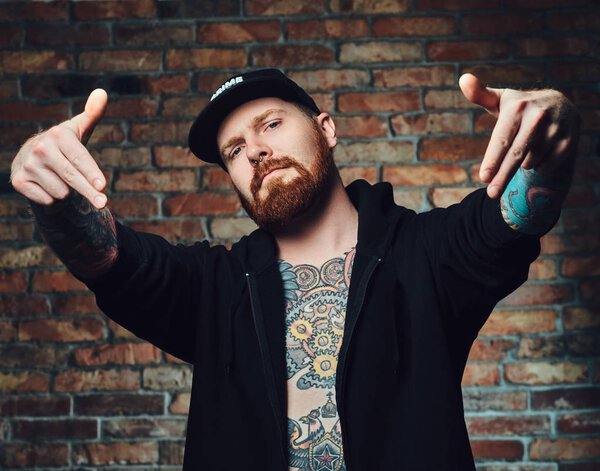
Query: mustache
[(267, 167)]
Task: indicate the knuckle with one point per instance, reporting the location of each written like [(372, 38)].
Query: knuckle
[(517, 154), (68, 174)]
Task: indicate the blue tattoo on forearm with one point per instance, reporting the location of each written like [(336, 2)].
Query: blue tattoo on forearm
[(532, 200)]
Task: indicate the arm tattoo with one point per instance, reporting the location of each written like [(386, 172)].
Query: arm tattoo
[(83, 237), (532, 200)]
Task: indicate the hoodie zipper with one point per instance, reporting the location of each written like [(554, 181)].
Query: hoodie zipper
[(362, 290), (264, 350)]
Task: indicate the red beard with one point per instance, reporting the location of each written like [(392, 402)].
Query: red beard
[(284, 202)]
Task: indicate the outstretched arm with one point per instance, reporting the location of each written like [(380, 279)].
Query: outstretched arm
[(529, 161), (63, 183)]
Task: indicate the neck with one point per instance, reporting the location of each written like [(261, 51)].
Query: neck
[(326, 231)]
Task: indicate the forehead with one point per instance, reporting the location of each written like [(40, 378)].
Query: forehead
[(241, 117)]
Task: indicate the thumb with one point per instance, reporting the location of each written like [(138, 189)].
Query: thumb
[(84, 123), (477, 93)]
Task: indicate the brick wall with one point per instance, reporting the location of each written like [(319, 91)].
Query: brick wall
[(77, 391)]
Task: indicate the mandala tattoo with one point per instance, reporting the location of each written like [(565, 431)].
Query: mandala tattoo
[(315, 314)]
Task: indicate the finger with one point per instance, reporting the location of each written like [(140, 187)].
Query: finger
[(514, 158), (80, 158), (83, 124), (479, 94), (503, 135), (34, 192), (50, 182)]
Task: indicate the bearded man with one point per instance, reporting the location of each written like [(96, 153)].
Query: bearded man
[(335, 336)]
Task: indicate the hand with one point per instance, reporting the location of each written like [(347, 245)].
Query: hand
[(535, 129), (51, 163)]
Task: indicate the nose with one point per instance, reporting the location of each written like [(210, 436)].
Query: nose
[(256, 151)]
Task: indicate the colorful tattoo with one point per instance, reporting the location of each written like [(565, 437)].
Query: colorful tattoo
[(532, 200), (315, 316), (83, 237)]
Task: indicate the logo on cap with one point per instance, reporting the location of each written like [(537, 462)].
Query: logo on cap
[(230, 83)]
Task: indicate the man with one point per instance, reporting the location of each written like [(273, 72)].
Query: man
[(335, 336)]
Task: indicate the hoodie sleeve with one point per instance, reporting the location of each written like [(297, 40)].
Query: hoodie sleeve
[(150, 290), (477, 260)]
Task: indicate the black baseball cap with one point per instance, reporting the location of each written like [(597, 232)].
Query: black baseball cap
[(234, 92)]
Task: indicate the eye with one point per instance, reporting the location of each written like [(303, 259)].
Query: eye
[(273, 124), (235, 152)]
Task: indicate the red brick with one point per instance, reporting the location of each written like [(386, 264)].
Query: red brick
[(37, 406), (490, 349), (477, 399), (519, 322), (103, 10), (481, 374), (436, 174), (143, 428), (581, 318), (409, 198), (414, 26), (564, 448), (455, 4), (539, 373), (576, 71), (566, 398), (121, 157), (579, 423), (507, 74), (25, 455), (201, 204), (290, 55), (37, 430), (175, 231), (580, 195), (444, 197), (531, 295), (205, 57), (25, 111), (15, 62), (369, 6), (247, 31), (97, 380), (8, 331), (30, 355), (555, 244), (168, 377), (391, 152), (497, 449), (380, 51), (16, 231), (52, 10), (547, 47), (29, 306), (11, 36), (107, 134), (133, 205), (181, 404), (360, 126), (165, 84), (78, 330), (541, 347), (508, 425), (208, 82), (431, 123), (436, 99), (160, 132), (97, 454), (171, 156), (148, 180), (542, 269), (349, 174), (62, 35), (453, 148), (330, 79), (284, 7), (120, 61), (580, 266), (152, 34), (466, 50), (28, 257), (56, 281), (183, 106), (327, 29), (231, 228), (171, 452), (214, 178), (581, 219), (9, 88), (502, 24), (12, 282), (438, 75), (590, 292), (379, 102), (24, 381), (118, 404), (578, 22), (126, 108), (121, 354)]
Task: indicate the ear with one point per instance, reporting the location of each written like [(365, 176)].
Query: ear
[(327, 127)]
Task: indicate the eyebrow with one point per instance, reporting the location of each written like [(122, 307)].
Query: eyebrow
[(254, 123)]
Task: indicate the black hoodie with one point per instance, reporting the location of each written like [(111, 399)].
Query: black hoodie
[(422, 286)]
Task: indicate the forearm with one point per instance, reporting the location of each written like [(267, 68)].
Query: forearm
[(532, 200), (83, 237)]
